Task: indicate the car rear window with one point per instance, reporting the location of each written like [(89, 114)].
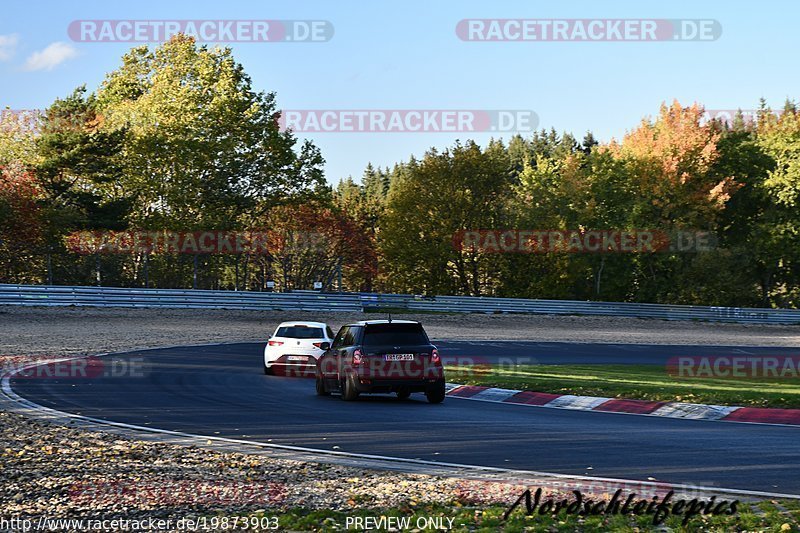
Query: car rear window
[(300, 332), (394, 334)]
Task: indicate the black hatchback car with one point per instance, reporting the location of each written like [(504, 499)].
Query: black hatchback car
[(381, 356)]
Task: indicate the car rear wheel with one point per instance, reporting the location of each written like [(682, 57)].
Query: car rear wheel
[(321, 390), (403, 394), (349, 391), (436, 393), (267, 370)]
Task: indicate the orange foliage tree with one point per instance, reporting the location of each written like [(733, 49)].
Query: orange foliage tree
[(20, 224), (670, 163), (311, 243)]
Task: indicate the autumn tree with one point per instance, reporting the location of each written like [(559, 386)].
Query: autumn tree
[(308, 243), (430, 201), (18, 132), (570, 186), (20, 226), (778, 230), (672, 166), (670, 162), (204, 149), (365, 204)]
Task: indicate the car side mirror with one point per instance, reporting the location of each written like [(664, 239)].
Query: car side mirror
[(325, 346)]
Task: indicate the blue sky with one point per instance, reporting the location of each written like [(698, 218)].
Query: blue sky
[(406, 55)]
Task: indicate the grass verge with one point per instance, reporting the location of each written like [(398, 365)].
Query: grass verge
[(763, 516)]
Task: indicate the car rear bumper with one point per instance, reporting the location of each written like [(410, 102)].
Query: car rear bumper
[(293, 360), (370, 385), (274, 356)]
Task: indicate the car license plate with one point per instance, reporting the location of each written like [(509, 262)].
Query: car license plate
[(296, 358), (399, 357)]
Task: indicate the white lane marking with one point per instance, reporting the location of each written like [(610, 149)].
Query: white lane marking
[(694, 411), (569, 401)]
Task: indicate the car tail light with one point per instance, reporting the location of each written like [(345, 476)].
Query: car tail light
[(275, 343), (357, 358), (435, 359), (317, 344)]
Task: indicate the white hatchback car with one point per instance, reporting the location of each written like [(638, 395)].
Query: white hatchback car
[(296, 346)]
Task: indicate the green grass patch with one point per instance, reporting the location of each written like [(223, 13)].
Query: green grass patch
[(645, 382), (765, 516)]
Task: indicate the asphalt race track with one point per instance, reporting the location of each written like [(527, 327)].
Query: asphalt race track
[(221, 391)]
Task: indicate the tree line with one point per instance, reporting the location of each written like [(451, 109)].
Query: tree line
[(177, 139)]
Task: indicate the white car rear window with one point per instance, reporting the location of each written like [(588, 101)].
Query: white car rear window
[(300, 332)]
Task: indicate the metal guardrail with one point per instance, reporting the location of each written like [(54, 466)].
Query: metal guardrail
[(355, 302), (473, 304), (175, 298)]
